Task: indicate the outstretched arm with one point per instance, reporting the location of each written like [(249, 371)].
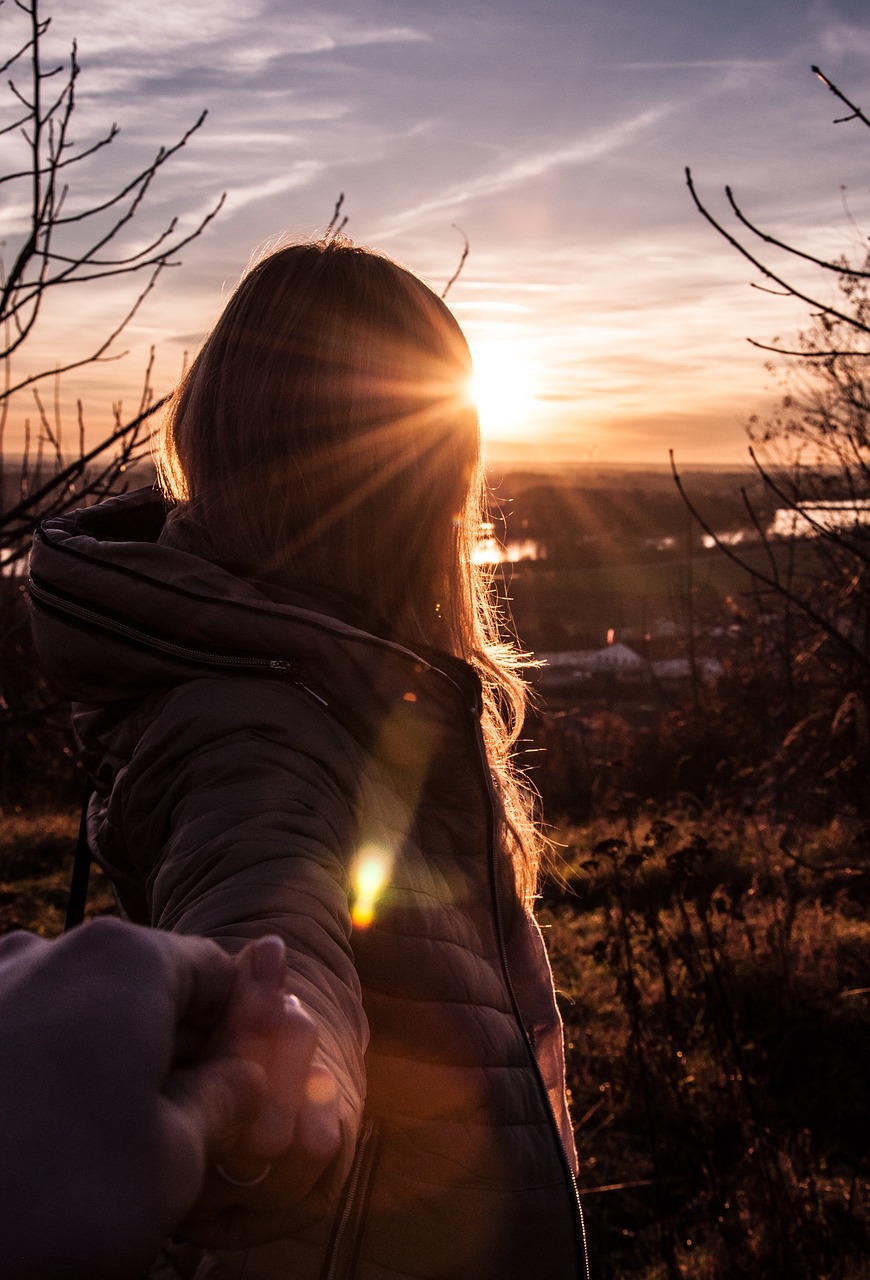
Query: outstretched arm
[(237, 816)]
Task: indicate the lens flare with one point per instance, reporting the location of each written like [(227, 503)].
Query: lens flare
[(370, 874)]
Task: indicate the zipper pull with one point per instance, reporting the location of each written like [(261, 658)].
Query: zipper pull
[(286, 668), (316, 696)]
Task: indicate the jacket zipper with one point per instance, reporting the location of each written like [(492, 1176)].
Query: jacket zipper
[(145, 640), (502, 947), (357, 1185)]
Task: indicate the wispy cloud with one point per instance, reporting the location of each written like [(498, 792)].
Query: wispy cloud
[(299, 175), (839, 39), (528, 168), (704, 64), (118, 26), (491, 306), (255, 29)]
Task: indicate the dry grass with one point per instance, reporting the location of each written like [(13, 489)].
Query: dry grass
[(713, 979), (36, 859)]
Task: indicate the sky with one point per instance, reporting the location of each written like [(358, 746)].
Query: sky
[(608, 320)]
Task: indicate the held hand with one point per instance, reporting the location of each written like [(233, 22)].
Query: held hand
[(294, 1134), (266, 1026), (112, 1113)]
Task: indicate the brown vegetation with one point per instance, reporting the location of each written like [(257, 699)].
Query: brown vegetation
[(713, 975)]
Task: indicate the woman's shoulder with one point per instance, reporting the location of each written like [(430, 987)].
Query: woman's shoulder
[(212, 752), (226, 712)]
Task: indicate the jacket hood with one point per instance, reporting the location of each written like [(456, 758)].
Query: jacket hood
[(120, 608)]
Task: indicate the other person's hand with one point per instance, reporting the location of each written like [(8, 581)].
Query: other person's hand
[(114, 1102)]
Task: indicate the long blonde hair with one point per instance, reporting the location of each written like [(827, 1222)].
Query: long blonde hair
[(325, 434)]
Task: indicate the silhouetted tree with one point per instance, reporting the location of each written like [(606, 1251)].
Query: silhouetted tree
[(66, 242), (68, 239), (812, 456)]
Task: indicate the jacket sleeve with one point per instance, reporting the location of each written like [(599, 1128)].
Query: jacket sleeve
[(238, 815)]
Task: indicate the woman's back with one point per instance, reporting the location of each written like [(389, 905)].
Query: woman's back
[(268, 764)]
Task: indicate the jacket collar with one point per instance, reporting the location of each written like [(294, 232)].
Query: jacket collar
[(116, 572)]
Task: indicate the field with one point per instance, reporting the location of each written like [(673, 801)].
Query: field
[(713, 977), (36, 861)]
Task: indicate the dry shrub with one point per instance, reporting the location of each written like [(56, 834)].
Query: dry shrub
[(713, 984)]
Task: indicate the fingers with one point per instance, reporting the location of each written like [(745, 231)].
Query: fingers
[(258, 995), (202, 979), (204, 1109), (267, 958), (317, 1141), (218, 996), (217, 1098), (285, 1056), (297, 1104), (265, 1026)]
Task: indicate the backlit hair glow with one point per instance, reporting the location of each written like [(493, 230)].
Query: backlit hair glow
[(325, 434)]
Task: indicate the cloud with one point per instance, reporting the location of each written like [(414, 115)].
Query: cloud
[(115, 27), (705, 64), (520, 172), (243, 33), (492, 306), (842, 42), (299, 175)]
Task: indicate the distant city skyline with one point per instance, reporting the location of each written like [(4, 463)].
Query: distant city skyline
[(608, 320)]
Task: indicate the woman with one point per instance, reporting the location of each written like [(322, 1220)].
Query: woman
[(291, 695)]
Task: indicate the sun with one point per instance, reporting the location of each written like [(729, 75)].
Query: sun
[(503, 387)]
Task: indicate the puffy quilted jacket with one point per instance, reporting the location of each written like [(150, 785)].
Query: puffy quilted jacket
[(248, 755)]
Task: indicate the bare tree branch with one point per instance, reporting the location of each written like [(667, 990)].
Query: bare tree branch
[(41, 265), (791, 290), (774, 583), (805, 355), (812, 457), (839, 267), (856, 112), (46, 258), (334, 227), (462, 259)]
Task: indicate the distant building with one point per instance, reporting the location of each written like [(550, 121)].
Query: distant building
[(728, 538), (614, 659), (666, 669), (621, 662), (618, 658)]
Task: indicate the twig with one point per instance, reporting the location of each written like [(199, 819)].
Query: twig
[(462, 258), (334, 227), (792, 290), (856, 112)]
